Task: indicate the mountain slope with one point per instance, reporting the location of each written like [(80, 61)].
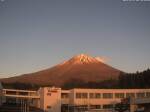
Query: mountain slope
[(82, 67)]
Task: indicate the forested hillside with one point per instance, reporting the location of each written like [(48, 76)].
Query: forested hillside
[(135, 80)]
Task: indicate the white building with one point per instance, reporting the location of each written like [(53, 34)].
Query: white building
[(52, 99), (101, 99)]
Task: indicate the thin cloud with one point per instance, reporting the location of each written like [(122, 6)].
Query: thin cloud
[(102, 59)]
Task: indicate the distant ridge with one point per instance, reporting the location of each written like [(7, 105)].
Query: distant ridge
[(81, 67)]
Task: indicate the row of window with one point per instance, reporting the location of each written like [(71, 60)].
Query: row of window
[(84, 107), (110, 95), (108, 106), (81, 95)]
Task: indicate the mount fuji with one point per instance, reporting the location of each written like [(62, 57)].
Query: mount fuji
[(81, 67)]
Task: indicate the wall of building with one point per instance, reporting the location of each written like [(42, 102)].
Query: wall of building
[(20, 96), (65, 96), (104, 98), (50, 99)]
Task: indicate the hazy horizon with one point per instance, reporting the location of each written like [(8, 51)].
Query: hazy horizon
[(39, 34)]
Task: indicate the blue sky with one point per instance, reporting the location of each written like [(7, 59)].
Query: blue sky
[(37, 34)]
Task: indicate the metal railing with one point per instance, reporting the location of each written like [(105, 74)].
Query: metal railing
[(20, 93)]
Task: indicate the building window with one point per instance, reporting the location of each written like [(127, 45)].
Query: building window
[(84, 95), (10, 92), (119, 95), (95, 106), (81, 95), (97, 95), (107, 95), (64, 95), (140, 95), (78, 95), (91, 95), (109, 106), (128, 95), (148, 94), (48, 107), (48, 94)]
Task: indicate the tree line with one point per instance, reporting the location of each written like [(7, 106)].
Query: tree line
[(135, 80)]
